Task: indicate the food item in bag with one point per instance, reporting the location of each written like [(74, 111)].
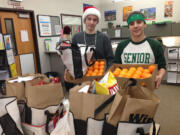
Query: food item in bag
[(107, 85)]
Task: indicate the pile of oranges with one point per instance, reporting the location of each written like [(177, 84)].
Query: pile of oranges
[(133, 72), (97, 69)]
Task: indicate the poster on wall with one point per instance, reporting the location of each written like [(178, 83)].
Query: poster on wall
[(86, 5), (110, 15), (126, 11), (1, 42), (7, 42), (45, 25), (168, 9), (13, 70), (150, 13)]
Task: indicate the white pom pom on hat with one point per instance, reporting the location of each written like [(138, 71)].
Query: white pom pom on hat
[(91, 11)]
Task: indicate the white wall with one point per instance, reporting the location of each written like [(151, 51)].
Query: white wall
[(54, 8), (137, 5)]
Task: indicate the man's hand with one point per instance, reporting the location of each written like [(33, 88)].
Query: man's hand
[(159, 77), (65, 74)]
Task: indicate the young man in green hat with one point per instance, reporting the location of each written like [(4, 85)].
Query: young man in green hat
[(139, 49)]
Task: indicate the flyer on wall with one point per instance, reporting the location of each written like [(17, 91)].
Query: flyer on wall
[(45, 25)]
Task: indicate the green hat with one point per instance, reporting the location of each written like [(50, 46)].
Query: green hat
[(135, 17)]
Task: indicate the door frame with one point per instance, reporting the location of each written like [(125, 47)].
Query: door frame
[(32, 16)]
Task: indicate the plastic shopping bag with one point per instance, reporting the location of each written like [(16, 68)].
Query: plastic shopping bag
[(65, 125), (76, 58)]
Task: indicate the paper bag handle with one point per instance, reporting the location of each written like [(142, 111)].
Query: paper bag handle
[(103, 105)]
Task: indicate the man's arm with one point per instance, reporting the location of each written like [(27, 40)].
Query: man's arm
[(159, 77)]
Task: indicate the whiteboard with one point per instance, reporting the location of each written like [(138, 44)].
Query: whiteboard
[(27, 63)]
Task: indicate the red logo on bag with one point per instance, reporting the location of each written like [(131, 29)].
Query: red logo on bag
[(113, 89)]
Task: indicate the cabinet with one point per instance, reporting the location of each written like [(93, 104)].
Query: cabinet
[(172, 55), (158, 30), (176, 29), (155, 30)]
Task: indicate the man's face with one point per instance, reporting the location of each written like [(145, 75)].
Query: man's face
[(91, 21), (137, 28)]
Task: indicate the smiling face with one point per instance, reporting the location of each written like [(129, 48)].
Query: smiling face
[(91, 21), (137, 28)]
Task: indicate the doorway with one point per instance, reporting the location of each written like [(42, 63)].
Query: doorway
[(20, 25)]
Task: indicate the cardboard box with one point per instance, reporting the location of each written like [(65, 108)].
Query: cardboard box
[(71, 79), (148, 82)]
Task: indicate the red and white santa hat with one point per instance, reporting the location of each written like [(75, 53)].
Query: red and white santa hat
[(91, 11)]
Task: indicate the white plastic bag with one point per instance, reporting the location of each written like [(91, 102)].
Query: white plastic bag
[(76, 58), (65, 125)]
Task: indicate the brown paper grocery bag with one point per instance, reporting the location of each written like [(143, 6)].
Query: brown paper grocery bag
[(15, 89), (41, 96), (83, 105), (134, 104), (18, 88)]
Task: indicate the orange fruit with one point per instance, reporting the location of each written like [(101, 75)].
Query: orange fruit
[(116, 73), (87, 75), (139, 72), (132, 69), (101, 67), (129, 75), (101, 70), (136, 76), (96, 70), (125, 70), (118, 69), (96, 66), (90, 68), (90, 72), (146, 75), (140, 69), (99, 74), (146, 71), (152, 68), (94, 74), (101, 62), (121, 75), (143, 84), (96, 63)]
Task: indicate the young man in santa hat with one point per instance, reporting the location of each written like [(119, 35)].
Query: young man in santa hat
[(139, 49), (90, 36)]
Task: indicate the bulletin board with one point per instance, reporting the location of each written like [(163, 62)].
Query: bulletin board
[(49, 26), (73, 21)]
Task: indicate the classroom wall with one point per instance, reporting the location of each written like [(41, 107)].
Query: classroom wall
[(137, 5), (54, 8)]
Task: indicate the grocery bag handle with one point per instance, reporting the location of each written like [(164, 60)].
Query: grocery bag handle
[(49, 116), (85, 56), (103, 105), (140, 130), (129, 82)]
